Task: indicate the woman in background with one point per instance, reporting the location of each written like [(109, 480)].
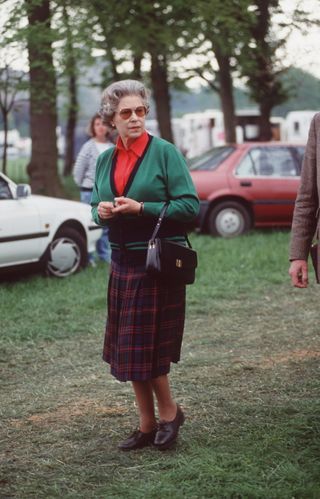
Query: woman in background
[(145, 318), (84, 173)]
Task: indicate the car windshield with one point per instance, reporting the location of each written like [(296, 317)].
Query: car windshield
[(211, 159)]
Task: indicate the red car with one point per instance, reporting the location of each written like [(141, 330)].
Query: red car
[(246, 185)]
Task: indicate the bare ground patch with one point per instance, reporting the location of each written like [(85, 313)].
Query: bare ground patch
[(289, 357), (82, 408)]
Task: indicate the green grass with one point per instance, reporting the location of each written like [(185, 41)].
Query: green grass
[(248, 382), (17, 171)]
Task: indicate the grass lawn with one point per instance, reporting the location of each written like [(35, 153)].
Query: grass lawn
[(248, 382)]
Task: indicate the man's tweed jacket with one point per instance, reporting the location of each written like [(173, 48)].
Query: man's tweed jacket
[(306, 212)]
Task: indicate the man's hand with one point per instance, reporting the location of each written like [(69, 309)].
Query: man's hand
[(298, 272)]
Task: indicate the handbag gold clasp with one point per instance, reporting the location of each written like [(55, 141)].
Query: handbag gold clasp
[(178, 263)]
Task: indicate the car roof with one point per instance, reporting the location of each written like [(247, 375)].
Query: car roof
[(269, 144)]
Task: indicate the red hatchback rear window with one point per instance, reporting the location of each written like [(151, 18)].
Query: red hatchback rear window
[(211, 159)]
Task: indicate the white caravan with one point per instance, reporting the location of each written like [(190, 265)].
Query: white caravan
[(297, 125)]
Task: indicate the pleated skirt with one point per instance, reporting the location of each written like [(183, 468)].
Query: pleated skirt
[(144, 326)]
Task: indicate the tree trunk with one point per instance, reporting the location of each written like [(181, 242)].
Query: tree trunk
[(266, 79), (137, 73), (113, 63), (42, 168), (71, 72), (264, 122), (5, 142), (71, 126), (159, 80), (226, 95), (263, 79)]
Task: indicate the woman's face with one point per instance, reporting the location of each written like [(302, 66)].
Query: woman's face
[(130, 127), (100, 130)]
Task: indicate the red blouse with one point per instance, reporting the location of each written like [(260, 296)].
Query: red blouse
[(126, 159)]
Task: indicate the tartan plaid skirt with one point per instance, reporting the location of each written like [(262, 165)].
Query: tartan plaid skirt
[(144, 325)]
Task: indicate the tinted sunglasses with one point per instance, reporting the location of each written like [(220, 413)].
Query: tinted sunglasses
[(126, 113)]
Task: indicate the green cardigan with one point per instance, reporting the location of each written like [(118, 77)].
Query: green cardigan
[(160, 175)]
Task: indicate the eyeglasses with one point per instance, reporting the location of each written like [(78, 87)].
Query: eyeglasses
[(126, 113)]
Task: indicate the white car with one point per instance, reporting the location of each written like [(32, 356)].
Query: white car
[(55, 233)]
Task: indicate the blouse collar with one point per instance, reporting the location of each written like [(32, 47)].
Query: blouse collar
[(137, 146)]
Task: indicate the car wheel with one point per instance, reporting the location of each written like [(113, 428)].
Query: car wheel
[(229, 219), (66, 254)]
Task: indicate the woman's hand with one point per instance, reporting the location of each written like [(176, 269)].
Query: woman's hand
[(299, 273), (126, 205), (105, 210)]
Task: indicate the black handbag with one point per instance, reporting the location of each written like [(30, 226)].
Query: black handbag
[(171, 263)]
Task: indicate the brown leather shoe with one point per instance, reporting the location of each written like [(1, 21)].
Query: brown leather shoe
[(138, 440), (168, 431)]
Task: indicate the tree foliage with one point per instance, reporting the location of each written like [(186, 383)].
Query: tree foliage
[(261, 63), (148, 31)]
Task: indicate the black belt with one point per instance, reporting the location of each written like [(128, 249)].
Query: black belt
[(86, 189)]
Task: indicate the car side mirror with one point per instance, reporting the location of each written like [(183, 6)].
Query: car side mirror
[(23, 191)]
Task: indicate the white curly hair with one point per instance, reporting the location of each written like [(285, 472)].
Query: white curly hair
[(112, 95)]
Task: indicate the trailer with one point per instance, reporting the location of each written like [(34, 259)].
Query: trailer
[(297, 124), (195, 133)]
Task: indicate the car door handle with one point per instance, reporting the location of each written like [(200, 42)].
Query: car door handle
[(245, 183)]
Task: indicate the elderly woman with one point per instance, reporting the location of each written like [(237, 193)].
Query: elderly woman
[(145, 318), (84, 173)]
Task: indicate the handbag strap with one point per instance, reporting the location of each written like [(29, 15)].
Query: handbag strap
[(159, 222), (187, 239)]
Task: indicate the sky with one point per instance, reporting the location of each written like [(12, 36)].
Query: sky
[(303, 49)]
